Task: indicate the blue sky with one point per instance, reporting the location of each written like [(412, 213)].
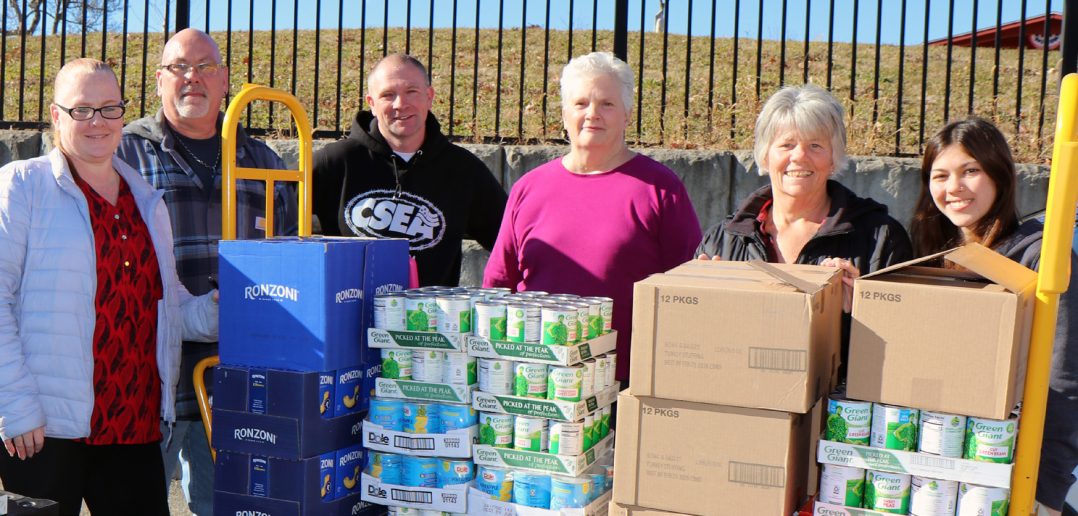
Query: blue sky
[(582, 15)]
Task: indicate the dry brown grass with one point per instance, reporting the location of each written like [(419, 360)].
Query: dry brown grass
[(710, 118)]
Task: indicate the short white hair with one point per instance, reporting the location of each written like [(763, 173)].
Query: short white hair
[(593, 65), (810, 110)]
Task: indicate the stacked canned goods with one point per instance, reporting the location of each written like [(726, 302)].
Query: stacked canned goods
[(546, 382), (412, 471), (544, 490), (496, 314), (925, 432)]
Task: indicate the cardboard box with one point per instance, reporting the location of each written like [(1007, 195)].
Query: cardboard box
[(452, 498), (245, 482), (304, 303), (694, 458), (454, 443), (557, 410), (279, 413), (542, 462), (764, 338), (541, 353), (946, 340), (617, 509), (914, 463), (482, 503)]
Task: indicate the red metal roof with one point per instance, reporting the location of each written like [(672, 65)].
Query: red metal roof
[(1008, 34)]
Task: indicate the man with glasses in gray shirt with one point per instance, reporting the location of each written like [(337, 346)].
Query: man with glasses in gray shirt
[(179, 152)]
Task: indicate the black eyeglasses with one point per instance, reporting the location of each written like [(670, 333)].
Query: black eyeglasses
[(82, 113), (183, 68)]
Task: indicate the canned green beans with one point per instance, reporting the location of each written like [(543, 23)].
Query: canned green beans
[(932, 497), (887, 492), (459, 369), (566, 438), (397, 364), (529, 434), (389, 311), (842, 485), (530, 380), (522, 321), (496, 429), (606, 311), (894, 428), (428, 365), (490, 320), (975, 500), (942, 434), (848, 421), (558, 324), (989, 440), (454, 313), (565, 383), (421, 311), (496, 376), (587, 379)]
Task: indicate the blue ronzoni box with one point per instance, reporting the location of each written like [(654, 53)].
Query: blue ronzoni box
[(253, 484), (303, 303), (279, 413)]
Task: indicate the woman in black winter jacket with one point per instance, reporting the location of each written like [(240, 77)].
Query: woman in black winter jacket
[(968, 189), (803, 216)]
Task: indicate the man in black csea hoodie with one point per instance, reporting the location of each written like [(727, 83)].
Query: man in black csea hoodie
[(398, 176)]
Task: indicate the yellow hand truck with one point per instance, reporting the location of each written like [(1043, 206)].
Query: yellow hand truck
[(1052, 280), (230, 173)]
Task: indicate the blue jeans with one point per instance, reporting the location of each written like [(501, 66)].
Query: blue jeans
[(190, 451)]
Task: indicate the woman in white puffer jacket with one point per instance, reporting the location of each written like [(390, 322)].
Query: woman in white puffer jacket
[(92, 313)]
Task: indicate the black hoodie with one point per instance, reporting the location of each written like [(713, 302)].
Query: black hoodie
[(441, 195)]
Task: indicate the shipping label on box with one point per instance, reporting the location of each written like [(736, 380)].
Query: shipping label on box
[(541, 353), (766, 338), (571, 465), (447, 499), (696, 458), (454, 443), (392, 339), (558, 410), (914, 463), (423, 391), (278, 413), (304, 303), (482, 503), (945, 340)]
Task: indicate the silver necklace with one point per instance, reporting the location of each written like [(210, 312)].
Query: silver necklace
[(216, 160)]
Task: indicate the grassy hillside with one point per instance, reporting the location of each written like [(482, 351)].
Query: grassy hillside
[(708, 120)]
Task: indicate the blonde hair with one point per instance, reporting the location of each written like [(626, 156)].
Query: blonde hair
[(598, 64), (809, 109), (64, 76)]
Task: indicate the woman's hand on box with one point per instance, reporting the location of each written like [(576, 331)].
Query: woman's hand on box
[(849, 273)]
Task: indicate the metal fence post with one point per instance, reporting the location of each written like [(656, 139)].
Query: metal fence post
[(1070, 38), (183, 14), (621, 29)]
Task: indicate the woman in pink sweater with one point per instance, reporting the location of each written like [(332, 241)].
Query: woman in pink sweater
[(600, 218)]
